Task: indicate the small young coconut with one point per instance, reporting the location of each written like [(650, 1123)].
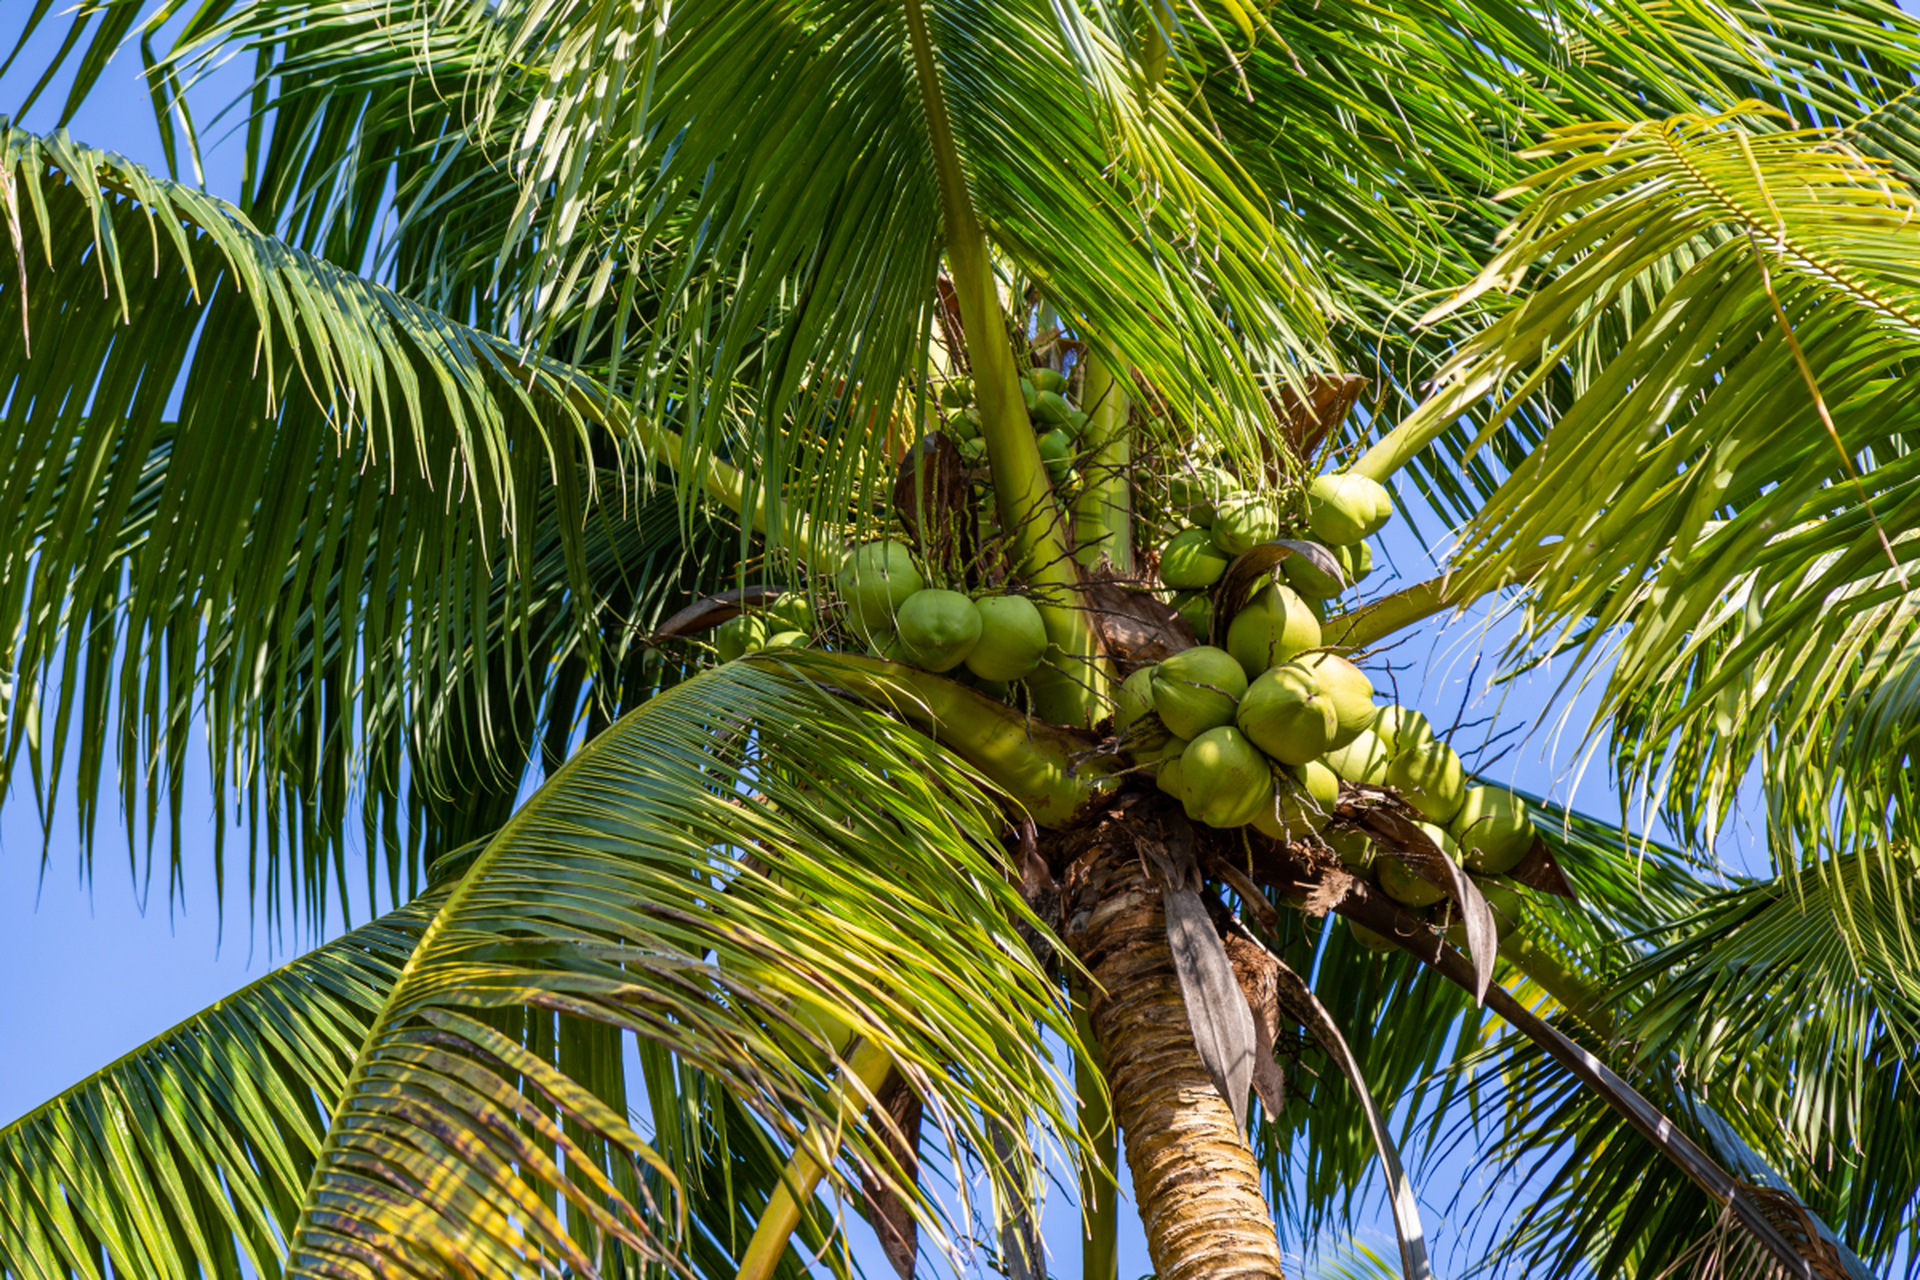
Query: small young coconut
[(957, 393), (1048, 381), (1285, 713), (1076, 425), (939, 628), (1401, 728), (876, 580), (1431, 779), (739, 635), (1354, 847), (1191, 561), (1348, 688), (1197, 608), (1196, 690), (1013, 639), (1494, 830), (1403, 884), (1051, 408), (1228, 781), (1194, 493), (1343, 509), (1241, 522), (1356, 561), (1056, 451), (1134, 700), (964, 426), (1310, 580), (1272, 627), (1364, 760), (1029, 393)]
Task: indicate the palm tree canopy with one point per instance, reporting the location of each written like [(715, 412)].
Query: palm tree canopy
[(538, 320)]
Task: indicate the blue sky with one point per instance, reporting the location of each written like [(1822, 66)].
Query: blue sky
[(101, 963)]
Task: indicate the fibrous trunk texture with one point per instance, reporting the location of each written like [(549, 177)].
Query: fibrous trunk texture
[(1194, 1178)]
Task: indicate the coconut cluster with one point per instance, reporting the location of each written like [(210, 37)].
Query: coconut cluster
[(1058, 422), (1264, 736), (998, 638)]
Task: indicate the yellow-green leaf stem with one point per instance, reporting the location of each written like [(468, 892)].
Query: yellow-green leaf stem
[(1072, 688), (1103, 513), (868, 1065), (1040, 768), (1380, 618)]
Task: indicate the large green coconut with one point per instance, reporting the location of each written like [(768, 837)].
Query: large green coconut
[(1354, 847), (1051, 408), (1191, 561), (1401, 728), (1348, 688), (939, 628), (1494, 830), (1431, 779), (1285, 714), (876, 580), (1196, 690), (1013, 639), (1343, 509), (786, 640), (1241, 522), (1193, 493), (1134, 700), (1356, 561), (1048, 381), (1197, 608), (1228, 781), (1309, 579), (1272, 627), (1364, 760), (739, 635)]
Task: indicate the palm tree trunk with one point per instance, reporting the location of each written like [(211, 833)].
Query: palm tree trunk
[(1194, 1177)]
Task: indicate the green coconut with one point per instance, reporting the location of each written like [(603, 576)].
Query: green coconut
[(1353, 846), (1356, 561), (793, 612), (1228, 781), (1309, 579), (1241, 522), (1348, 688), (1197, 608), (1364, 760), (1285, 714), (740, 635), (1322, 783), (1403, 884), (1076, 424), (964, 426), (1191, 561), (1494, 830), (973, 452), (957, 393), (1048, 381), (1296, 809), (1271, 628), (786, 640), (1343, 509), (1171, 777), (1431, 779), (884, 643), (1028, 393), (1194, 493), (1057, 452), (1196, 690), (1013, 639), (1051, 408), (1134, 700), (1401, 728), (876, 580), (1153, 744), (939, 628)]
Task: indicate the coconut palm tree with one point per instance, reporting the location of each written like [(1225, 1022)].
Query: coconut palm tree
[(641, 400)]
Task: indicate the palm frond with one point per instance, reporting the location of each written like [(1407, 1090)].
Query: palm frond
[(744, 857), (193, 1150)]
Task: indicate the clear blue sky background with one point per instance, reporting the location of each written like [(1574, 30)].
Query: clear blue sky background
[(98, 964)]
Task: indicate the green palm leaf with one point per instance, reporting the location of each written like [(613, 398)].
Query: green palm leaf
[(194, 1148), (743, 858)]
